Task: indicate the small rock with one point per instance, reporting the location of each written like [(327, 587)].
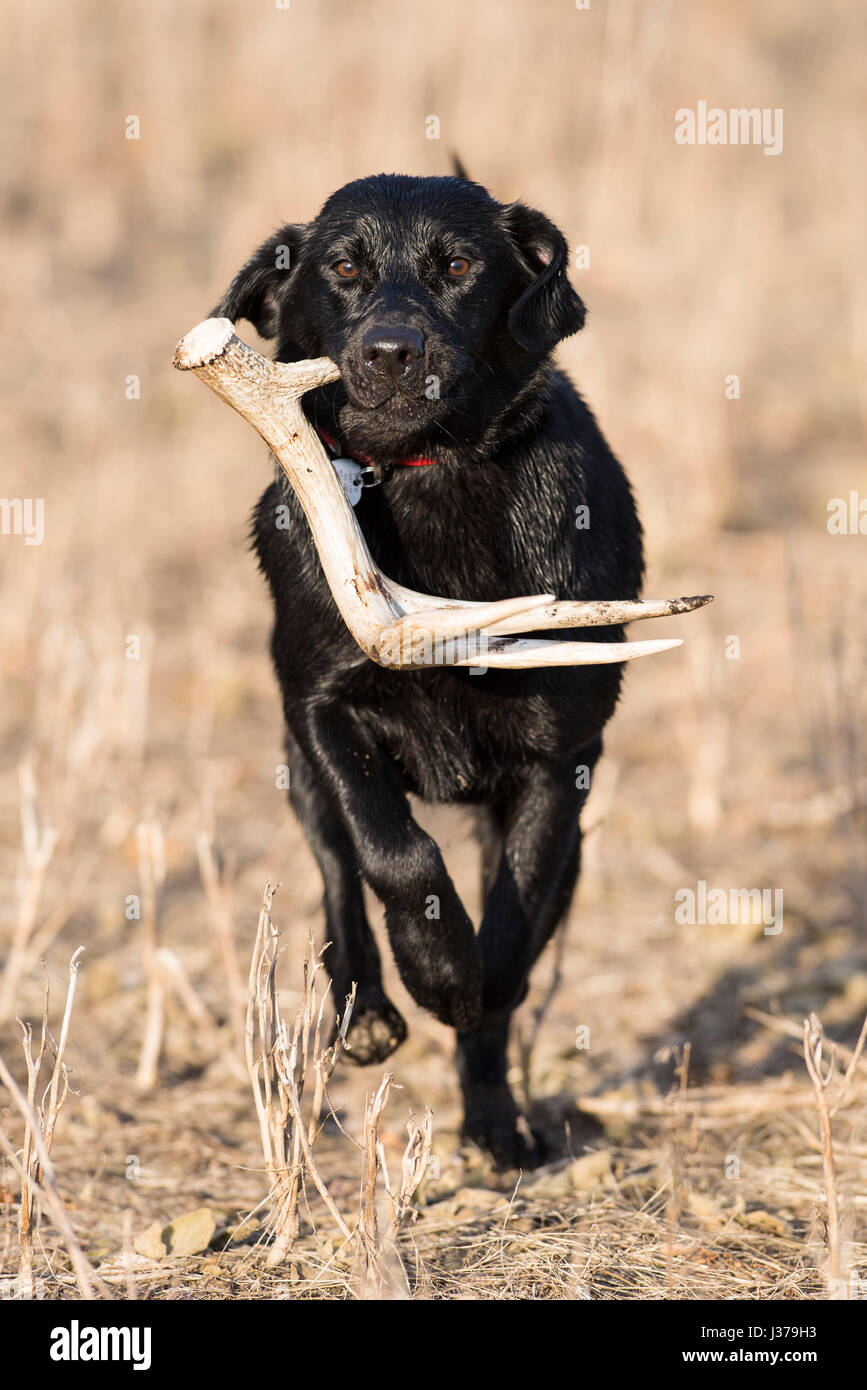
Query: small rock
[(586, 1174), (706, 1211), (479, 1198), (150, 1243), (591, 1171), (763, 1221), (188, 1235), (244, 1233)]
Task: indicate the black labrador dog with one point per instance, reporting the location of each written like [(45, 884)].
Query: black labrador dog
[(441, 307)]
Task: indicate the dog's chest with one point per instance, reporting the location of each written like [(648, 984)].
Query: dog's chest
[(457, 736), (457, 537)]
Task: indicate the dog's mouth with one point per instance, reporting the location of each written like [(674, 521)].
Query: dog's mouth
[(423, 392), (387, 397), (383, 424), (391, 428)]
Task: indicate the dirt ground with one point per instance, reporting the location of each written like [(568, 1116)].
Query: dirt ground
[(663, 1062)]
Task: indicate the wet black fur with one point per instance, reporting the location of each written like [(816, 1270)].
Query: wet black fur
[(517, 452)]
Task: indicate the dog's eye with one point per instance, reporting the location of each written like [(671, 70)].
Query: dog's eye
[(347, 270), (458, 267)]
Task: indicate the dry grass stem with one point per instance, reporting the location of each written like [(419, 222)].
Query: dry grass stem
[(278, 1065), (34, 1167), (152, 874), (282, 1064), (38, 842), (813, 1040), (218, 883), (381, 1272)]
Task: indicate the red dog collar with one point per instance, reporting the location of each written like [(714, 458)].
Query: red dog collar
[(368, 462)]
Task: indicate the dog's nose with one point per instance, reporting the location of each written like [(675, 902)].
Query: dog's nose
[(393, 352)]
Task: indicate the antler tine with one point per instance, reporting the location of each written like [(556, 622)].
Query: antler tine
[(571, 612), (516, 653)]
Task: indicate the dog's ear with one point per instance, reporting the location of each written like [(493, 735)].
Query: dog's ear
[(257, 290), (549, 309)]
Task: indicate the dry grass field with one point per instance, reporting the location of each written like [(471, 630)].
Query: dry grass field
[(140, 726)]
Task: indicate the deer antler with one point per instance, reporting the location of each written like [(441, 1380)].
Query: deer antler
[(394, 625)]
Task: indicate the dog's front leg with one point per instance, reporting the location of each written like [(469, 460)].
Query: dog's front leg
[(531, 891), (376, 1027), (536, 875), (431, 936)]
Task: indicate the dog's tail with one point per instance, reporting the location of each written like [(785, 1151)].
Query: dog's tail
[(458, 168)]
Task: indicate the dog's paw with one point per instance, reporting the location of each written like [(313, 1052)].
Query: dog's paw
[(498, 1128), (376, 1029)]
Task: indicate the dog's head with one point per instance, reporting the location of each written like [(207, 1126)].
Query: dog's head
[(437, 303)]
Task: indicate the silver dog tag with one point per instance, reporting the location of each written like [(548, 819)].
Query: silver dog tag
[(350, 474)]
